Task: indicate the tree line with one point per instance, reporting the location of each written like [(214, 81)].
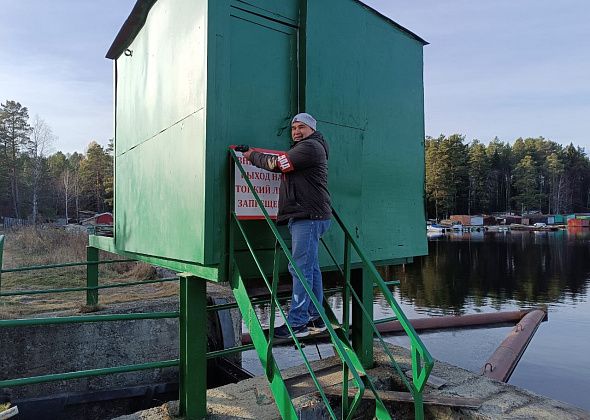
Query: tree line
[(39, 185), (532, 174)]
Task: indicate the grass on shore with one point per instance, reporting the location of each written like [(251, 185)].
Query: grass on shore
[(43, 245)]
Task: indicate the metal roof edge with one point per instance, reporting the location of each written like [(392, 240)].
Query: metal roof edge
[(394, 23), (130, 28), (140, 11)]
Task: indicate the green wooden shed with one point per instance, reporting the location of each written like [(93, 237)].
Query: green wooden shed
[(195, 76)]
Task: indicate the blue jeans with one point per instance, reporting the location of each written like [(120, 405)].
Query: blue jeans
[(305, 237)]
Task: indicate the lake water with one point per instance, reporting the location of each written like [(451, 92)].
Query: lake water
[(486, 272)]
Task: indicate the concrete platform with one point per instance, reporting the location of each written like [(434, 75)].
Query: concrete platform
[(251, 399)]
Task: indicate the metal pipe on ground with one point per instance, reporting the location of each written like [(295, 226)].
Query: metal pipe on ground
[(462, 321), (503, 361), (442, 322)]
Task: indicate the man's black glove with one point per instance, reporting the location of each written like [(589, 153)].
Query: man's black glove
[(242, 148)]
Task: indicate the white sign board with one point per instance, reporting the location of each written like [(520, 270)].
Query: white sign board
[(265, 183)]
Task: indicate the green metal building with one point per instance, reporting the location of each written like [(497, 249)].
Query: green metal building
[(195, 76)]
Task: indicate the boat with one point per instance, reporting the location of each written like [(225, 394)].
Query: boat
[(436, 228)]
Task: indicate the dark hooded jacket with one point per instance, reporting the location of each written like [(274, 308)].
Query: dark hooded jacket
[(304, 185)]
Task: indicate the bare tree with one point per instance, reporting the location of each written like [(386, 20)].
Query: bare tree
[(39, 145), (66, 183)]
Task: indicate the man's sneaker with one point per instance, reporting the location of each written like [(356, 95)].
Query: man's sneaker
[(317, 325), (283, 331)]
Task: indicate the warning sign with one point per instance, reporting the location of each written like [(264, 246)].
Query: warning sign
[(265, 183)]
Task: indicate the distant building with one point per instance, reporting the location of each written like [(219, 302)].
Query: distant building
[(98, 219)]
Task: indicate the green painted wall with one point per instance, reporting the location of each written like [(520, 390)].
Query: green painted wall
[(256, 92), (160, 135), (204, 75), (364, 85)]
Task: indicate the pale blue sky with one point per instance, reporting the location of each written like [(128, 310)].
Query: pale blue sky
[(498, 68)]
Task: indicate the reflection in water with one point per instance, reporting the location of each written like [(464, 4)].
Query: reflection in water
[(464, 271)]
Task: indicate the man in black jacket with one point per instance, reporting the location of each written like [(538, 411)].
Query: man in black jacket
[(304, 203)]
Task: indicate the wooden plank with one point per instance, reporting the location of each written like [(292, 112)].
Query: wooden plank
[(11, 412), (433, 381), (303, 384), (429, 399)]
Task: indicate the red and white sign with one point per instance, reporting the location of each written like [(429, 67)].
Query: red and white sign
[(265, 183)]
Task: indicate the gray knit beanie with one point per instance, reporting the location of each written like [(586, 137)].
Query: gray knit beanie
[(306, 119)]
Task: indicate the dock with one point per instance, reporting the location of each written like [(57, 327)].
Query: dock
[(452, 392)]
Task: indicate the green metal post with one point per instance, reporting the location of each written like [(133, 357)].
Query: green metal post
[(193, 347), (91, 275), (362, 331), (1, 251), (346, 324), (418, 397), (271, 326)]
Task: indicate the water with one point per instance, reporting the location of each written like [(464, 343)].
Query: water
[(487, 272)]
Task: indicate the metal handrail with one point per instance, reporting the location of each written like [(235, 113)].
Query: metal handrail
[(420, 375), (284, 316), (80, 319), (83, 289), (31, 322), (349, 365), (62, 265), (86, 373), (422, 361)]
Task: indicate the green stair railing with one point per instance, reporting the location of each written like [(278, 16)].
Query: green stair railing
[(422, 361), (263, 343)]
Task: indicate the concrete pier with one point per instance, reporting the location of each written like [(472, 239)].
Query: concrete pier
[(251, 399)]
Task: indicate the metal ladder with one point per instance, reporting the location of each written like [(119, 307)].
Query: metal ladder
[(355, 380)]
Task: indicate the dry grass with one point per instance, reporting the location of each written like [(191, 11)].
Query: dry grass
[(47, 245)]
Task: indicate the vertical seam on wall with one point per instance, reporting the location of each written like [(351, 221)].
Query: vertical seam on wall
[(302, 57)]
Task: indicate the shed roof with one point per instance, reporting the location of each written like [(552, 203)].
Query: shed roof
[(140, 11)]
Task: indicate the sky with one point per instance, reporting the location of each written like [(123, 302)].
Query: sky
[(500, 68)]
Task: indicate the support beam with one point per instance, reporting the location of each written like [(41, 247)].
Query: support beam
[(362, 331), (1, 251), (193, 347), (92, 275)]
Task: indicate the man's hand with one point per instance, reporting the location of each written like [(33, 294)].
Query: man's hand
[(242, 148), (247, 154)]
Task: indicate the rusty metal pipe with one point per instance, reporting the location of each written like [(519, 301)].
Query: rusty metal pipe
[(502, 362), (462, 321), (444, 322)]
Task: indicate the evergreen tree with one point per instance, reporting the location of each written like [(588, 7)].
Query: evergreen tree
[(499, 177), (526, 184), (95, 172), (555, 169), (479, 168), (14, 136)]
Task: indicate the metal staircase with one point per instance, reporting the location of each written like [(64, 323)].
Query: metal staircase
[(354, 380)]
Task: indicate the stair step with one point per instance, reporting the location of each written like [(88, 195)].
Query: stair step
[(311, 337), (429, 399), (303, 384)]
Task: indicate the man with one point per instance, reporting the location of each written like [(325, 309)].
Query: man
[(304, 203)]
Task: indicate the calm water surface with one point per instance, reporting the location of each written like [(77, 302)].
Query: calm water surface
[(488, 272)]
